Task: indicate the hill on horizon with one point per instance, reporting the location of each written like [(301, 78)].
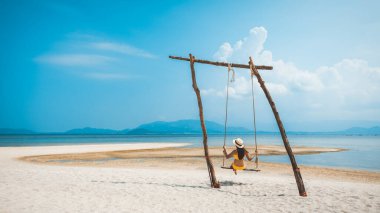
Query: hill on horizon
[(183, 127), (361, 130)]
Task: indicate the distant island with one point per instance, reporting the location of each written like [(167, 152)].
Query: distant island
[(183, 127)]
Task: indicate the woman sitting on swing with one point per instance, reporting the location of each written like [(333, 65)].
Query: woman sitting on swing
[(238, 155)]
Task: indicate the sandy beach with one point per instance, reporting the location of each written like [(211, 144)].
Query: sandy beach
[(163, 177)]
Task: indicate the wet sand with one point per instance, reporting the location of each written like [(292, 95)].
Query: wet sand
[(193, 158)]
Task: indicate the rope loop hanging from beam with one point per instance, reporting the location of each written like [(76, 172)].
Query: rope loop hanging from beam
[(253, 73), (230, 69), (254, 122)]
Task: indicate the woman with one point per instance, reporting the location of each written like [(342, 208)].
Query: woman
[(238, 155)]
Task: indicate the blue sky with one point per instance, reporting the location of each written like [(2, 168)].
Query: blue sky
[(104, 64)]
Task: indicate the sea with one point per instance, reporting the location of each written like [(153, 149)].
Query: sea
[(363, 151)]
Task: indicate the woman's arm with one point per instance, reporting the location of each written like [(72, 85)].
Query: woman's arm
[(228, 155), (248, 155)]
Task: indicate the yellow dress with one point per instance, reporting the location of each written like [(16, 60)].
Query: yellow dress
[(236, 156)]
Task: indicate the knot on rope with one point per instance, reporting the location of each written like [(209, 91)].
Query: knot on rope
[(233, 72), (252, 68)]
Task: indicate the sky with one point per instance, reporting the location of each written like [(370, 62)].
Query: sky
[(104, 64)]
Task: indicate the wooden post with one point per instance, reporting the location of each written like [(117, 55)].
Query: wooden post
[(296, 170), (210, 167)]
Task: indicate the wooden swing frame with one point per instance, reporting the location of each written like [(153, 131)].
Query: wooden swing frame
[(254, 71)]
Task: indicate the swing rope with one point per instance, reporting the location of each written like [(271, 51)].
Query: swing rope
[(253, 110), (254, 119), (226, 113)]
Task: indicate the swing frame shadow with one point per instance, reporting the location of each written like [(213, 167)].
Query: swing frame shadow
[(254, 71)]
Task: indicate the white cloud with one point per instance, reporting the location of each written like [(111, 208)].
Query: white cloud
[(352, 83), (88, 55), (121, 48), (213, 92), (348, 89), (225, 51), (74, 59), (241, 88), (277, 88), (106, 76), (295, 78), (252, 45)]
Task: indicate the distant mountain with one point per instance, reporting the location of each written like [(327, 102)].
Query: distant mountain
[(91, 131), (364, 131), (184, 127), (96, 131), (8, 131)]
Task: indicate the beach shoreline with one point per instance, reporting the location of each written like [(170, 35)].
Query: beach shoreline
[(193, 159), (169, 184)]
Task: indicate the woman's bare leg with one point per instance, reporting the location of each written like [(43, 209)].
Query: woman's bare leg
[(231, 167)]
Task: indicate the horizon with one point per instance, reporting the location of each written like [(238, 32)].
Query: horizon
[(66, 64), (138, 126)]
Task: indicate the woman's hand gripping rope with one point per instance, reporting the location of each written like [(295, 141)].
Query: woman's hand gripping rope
[(224, 151)]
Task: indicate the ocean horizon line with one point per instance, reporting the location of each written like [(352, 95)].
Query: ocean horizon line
[(337, 133), (186, 127)]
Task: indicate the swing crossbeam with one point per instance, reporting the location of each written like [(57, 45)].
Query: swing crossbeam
[(223, 64)]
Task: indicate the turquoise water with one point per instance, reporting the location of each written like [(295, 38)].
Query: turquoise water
[(363, 153)]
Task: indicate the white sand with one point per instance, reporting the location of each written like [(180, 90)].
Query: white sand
[(26, 187)]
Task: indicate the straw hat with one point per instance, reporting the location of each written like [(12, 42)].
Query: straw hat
[(238, 142)]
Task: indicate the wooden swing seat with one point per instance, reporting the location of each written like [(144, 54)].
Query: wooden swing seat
[(251, 170)]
